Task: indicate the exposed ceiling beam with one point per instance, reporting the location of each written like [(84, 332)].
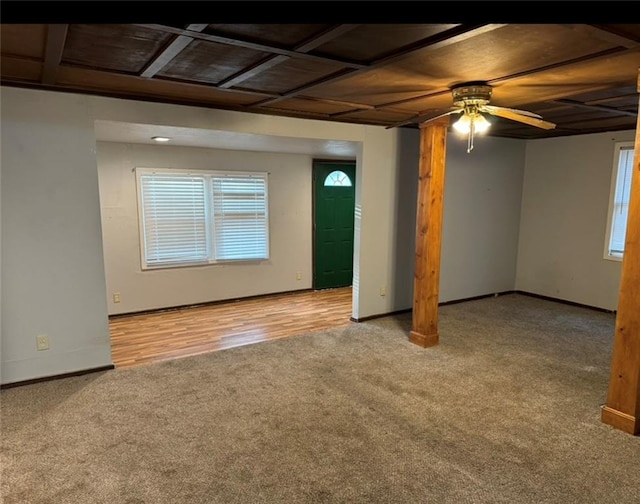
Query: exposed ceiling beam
[(631, 96), (610, 34), (56, 37), (253, 70), (330, 101), (356, 109), (567, 63), (414, 98), (443, 39), (599, 108), (319, 115), (305, 87), (391, 106), (177, 45), (359, 106), (271, 61), (246, 44), (331, 33)]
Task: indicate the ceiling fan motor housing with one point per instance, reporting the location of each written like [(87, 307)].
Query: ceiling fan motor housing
[(471, 94)]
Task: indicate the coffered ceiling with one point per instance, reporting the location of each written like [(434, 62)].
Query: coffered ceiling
[(582, 77)]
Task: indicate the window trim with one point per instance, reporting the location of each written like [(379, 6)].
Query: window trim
[(140, 171), (618, 147)]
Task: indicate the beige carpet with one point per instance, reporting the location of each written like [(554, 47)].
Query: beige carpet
[(505, 410)]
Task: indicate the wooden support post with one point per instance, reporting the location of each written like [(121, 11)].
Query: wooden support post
[(622, 409), (433, 139)]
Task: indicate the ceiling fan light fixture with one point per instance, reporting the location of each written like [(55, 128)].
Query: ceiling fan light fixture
[(470, 123), (472, 101), (480, 123), (463, 125)]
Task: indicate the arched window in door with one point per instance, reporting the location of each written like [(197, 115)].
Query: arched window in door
[(337, 178)]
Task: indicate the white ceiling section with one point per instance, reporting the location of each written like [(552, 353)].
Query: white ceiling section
[(114, 131)]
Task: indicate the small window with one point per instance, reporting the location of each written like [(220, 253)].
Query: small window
[(619, 200), (189, 218), (337, 179)]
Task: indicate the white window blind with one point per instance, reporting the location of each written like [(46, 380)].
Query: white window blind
[(188, 218), (240, 217), (173, 209), (621, 198)]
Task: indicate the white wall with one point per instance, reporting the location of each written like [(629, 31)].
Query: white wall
[(53, 273), (378, 247), (52, 267), (0, 245), (391, 207), (403, 188), (377, 163), (480, 237), (290, 235), (483, 190), (564, 216), (480, 224)]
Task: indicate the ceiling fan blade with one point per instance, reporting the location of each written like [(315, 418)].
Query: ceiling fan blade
[(491, 108), (454, 111), (514, 116), (424, 118)]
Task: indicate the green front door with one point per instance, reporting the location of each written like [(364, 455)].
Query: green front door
[(334, 205)]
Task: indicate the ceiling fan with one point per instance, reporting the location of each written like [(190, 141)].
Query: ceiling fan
[(471, 99)]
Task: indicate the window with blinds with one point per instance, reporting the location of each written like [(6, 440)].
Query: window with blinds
[(619, 202), (189, 218), (239, 217)]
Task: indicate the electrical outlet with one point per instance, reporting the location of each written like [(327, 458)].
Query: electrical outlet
[(42, 342), (298, 276), (116, 297)]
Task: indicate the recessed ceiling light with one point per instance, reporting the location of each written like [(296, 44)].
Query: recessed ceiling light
[(160, 139)]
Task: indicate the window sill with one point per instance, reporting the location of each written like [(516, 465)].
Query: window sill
[(614, 258), (205, 263)]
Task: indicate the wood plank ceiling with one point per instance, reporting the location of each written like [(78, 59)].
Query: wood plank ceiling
[(580, 76)]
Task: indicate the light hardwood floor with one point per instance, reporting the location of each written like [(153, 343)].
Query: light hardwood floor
[(152, 337)]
